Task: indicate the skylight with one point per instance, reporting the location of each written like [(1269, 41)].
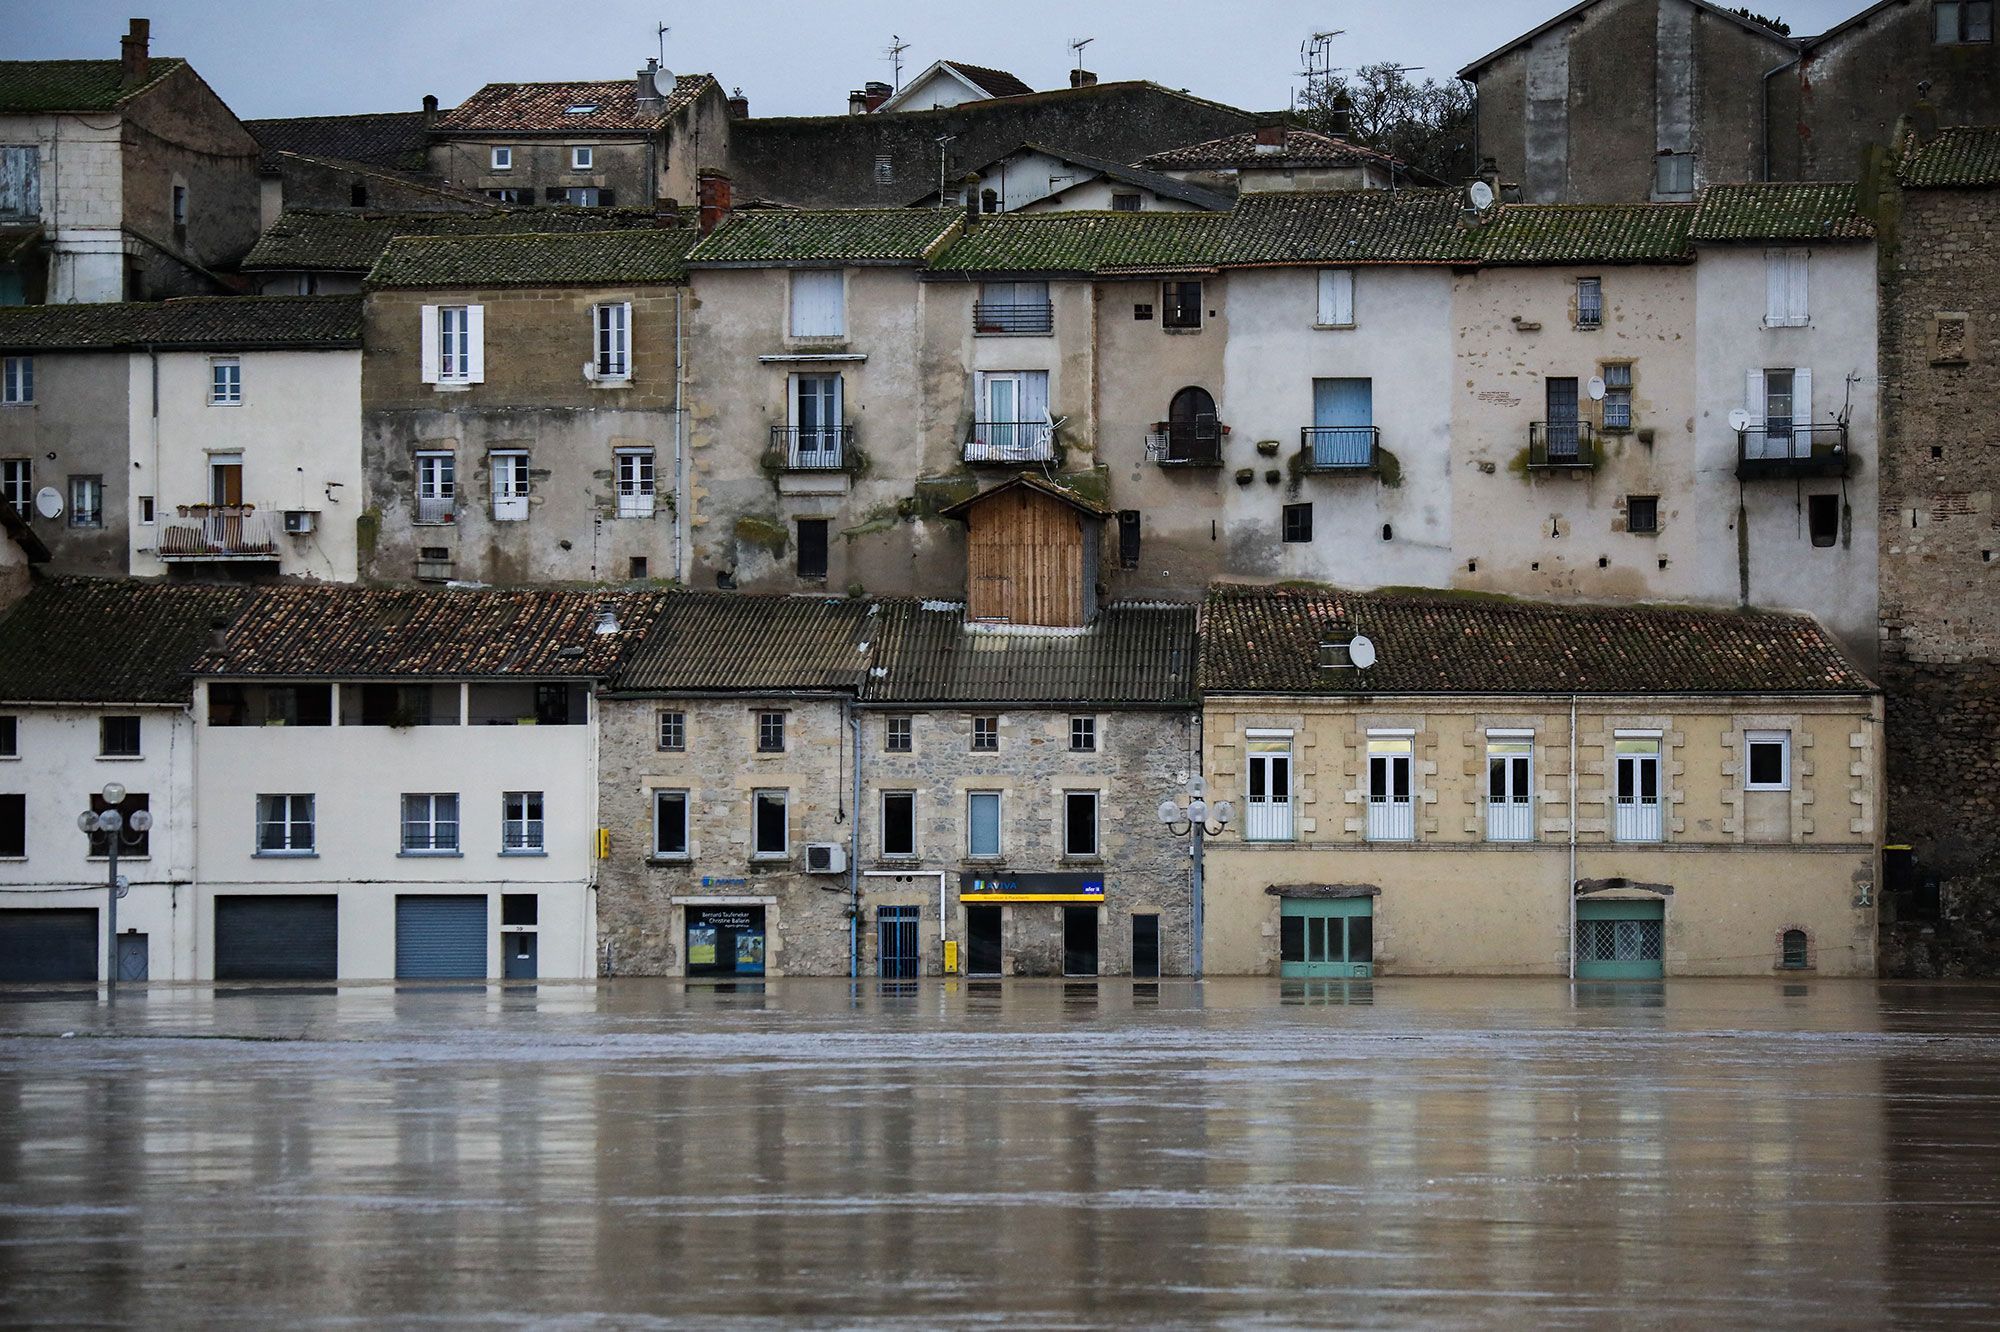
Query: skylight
[(580, 109)]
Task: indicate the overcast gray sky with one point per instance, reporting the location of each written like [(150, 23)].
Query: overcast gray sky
[(293, 58)]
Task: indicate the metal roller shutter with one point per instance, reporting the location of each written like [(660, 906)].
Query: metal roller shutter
[(440, 938), (49, 945), (277, 938)]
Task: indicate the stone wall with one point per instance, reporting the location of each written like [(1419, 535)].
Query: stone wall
[(181, 134)]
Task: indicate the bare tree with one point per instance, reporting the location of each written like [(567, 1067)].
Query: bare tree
[(1428, 124)]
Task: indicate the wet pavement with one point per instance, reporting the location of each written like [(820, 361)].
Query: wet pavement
[(645, 1153)]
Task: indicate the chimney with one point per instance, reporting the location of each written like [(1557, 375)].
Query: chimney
[(739, 105), (1082, 78), (971, 187), (648, 91), (666, 212), (715, 198), (857, 102), (133, 55), (1270, 136), (430, 109), (875, 92)]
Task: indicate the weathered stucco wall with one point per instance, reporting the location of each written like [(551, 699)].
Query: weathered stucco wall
[(78, 425), (180, 133)]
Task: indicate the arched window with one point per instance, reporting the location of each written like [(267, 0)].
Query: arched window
[(1192, 432), (1795, 951), (989, 201)]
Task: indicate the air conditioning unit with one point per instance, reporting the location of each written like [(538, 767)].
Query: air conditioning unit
[(826, 858), (300, 522)]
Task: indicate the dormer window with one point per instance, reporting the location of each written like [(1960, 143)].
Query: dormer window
[(1336, 655)]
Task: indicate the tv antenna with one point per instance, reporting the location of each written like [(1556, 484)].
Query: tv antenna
[(894, 50), (1316, 55), (662, 35), (944, 142), (1077, 46)]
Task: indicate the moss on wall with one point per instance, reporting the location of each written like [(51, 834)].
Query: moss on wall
[(768, 533), (1389, 469), (367, 531)]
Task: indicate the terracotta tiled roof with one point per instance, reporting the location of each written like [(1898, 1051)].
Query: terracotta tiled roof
[(1131, 655), (395, 139), (30, 86), (1780, 211), (1963, 157), (108, 640), (233, 322), (993, 82), (545, 107), (1265, 640), (299, 632), (1301, 148), (827, 235), (580, 259), (1585, 233), (725, 642), (339, 240)]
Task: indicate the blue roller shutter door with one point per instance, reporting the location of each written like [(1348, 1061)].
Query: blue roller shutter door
[(277, 938), (440, 938), (48, 945)]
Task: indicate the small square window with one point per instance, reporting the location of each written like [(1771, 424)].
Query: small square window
[(1083, 735), (1768, 761), (1298, 522), (582, 158), (1642, 514), (1823, 519), (985, 734), (503, 159), (673, 730), (770, 733), (896, 735), (118, 737), (635, 568), (1142, 310)]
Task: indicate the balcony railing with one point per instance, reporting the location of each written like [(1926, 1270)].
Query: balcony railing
[(1268, 820), (217, 532), (1006, 442), (812, 448), (437, 508), (1391, 820), (1562, 444), (1798, 449), (1636, 821), (996, 317), (1340, 448), (1185, 446), (1510, 821)]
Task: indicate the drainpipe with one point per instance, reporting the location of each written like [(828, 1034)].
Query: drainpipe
[(1569, 887), (1765, 103), (854, 853), (680, 427)]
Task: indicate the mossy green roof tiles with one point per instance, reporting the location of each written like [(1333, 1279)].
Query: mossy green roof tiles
[(31, 86), (1585, 234), (1963, 157), (827, 235), (1084, 242), (583, 259), (109, 640), (344, 240), (1780, 211), (219, 322)]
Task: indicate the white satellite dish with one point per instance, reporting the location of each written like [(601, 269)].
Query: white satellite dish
[(1361, 651), (1739, 419), (1595, 388), (1480, 194), (49, 502), (664, 81)]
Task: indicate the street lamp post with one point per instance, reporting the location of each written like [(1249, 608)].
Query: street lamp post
[(113, 825), (1193, 819)]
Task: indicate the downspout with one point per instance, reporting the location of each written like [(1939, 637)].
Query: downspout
[(680, 428), (152, 356), (1765, 103), (1569, 887), (854, 851)]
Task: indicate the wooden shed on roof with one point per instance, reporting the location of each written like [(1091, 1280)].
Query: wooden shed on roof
[(1031, 550)]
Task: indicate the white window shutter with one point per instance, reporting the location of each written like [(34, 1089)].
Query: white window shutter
[(1777, 288), (625, 326), (1753, 396), (816, 304), (1795, 286), (1035, 395), (1802, 397), (1336, 295), (475, 338), (430, 344)]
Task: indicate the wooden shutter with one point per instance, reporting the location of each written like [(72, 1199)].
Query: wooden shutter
[(1777, 285), (430, 344), (816, 304), (1754, 401), (475, 339), (1795, 287), (1802, 398), (1336, 295)]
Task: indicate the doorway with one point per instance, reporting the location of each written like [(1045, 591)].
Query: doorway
[(896, 942), (1327, 937), (1080, 941), (1146, 946), (982, 940), (134, 962), (225, 479), (725, 941)]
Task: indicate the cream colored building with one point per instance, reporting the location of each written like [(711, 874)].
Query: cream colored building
[(1521, 789)]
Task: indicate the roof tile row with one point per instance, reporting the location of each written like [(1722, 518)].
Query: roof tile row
[(223, 322)]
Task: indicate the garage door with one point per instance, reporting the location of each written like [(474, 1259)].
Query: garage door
[(277, 938), (440, 938), (48, 945)]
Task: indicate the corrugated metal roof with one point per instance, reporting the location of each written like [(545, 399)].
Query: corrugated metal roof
[(108, 640), (1780, 210), (1133, 654), (730, 642)]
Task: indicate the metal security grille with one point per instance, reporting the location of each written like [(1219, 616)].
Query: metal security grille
[(45, 945), (1620, 940), (440, 938), (277, 938), (896, 934)]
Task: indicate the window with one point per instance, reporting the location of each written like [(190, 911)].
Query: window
[(1823, 519), (896, 735), (1636, 813), (437, 487), (503, 159), (815, 422), (580, 109), (146, 510), (521, 823), (670, 824), (813, 547), (582, 158), (434, 563), (511, 195), (899, 823), (1343, 424), (636, 567), (770, 733), (13, 826), (17, 483), (510, 486), (982, 824), (1267, 813), (818, 303), (1180, 305), (1618, 395), (635, 483), (1785, 302), (1336, 297), (129, 843), (770, 825), (21, 182), (17, 381), (989, 201), (1083, 735), (1956, 21), (430, 825), (1795, 948), (673, 730), (1010, 417), (1590, 302), (1125, 203), (180, 205), (1142, 311), (885, 169), (118, 737), (1391, 814), (1767, 765), (1510, 792), (86, 501), (1013, 307), (285, 825), (1080, 823), (614, 340), (454, 338), (1642, 514), (1298, 523), (1673, 174), (225, 382), (10, 737), (985, 735), (580, 196), (1128, 538)]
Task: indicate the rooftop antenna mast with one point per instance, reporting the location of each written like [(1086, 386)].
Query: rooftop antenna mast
[(1316, 57), (662, 35), (1077, 46), (944, 142), (895, 51)]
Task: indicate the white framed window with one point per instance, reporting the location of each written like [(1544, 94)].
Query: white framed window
[(1590, 302), (673, 731), (1618, 395), (503, 159), (670, 825), (1336, 298), (146, 510), (612, 323), (1510, 788), (818, 303), (1786, 304), (1767, 760), (1080, 824), (454, 344), (899, 824), (118, 737), (582, 158), (285, 825), (225, 382), (17, 381), (1673, 175), (770, 824), (430, 824), (986, 734), (86, 501), (1391, 810), (17, 483), (635, 483), (982, 825), (437, 487), (1083, 735), (1267, 794), (770, 733), (1011, 417), (1636, 809), (510, 485), (521, 823)]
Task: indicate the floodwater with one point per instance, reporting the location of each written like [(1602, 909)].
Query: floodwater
[(648, 1153)]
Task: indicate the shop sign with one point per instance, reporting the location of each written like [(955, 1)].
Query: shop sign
[(1004, 886)]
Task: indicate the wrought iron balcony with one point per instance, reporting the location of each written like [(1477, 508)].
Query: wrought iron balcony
[(1337, 449), (1792, 450), (1009, 317), (217, 532), (1185, 445), (434, 509), (1562, 444), (1006, 443), (812, 448)]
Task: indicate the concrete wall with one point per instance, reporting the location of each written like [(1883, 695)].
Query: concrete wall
[(77, 426), (1452, 903)]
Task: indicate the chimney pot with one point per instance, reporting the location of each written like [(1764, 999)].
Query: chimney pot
[(430, 109), (1082, 78), (875, 92), (739, 105), (857, 103), (1270, 136), (134, 58)]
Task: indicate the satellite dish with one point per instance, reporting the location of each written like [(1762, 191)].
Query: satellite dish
[(1361, 651), (1739, 419), (49, 502), (1481, 195), (1595, 388), (663, 82)]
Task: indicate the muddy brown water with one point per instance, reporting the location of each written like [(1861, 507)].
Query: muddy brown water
[(1411, 1153)]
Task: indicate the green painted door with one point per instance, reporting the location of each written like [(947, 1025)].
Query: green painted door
[(1620, 940), (1322, 937)]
